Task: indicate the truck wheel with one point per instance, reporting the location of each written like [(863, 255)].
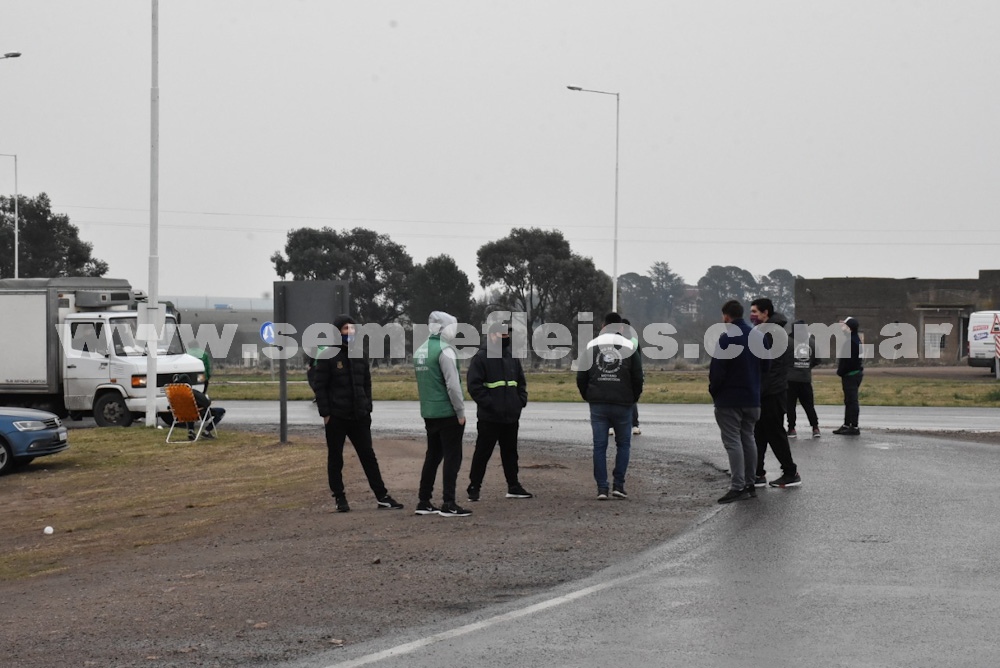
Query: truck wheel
[(6, 457), (110, 411), (167, 417)]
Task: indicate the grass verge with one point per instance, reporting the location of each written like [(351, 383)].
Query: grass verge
[(662, 387), (113, 488)]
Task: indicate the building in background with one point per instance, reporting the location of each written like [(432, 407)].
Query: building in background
[(877, 302)]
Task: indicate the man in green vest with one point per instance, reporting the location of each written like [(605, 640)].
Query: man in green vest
[(442, 407), (195, 350)]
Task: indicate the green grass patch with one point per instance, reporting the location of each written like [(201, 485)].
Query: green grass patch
[(661, 387)]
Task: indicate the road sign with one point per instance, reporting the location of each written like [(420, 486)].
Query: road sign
[(267, 332)]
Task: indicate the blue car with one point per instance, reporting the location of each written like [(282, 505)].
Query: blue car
[(26, 433)]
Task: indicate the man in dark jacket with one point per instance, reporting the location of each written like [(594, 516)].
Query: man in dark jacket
[(734, 383), (800, 389), (496, 383), (851, 371), (770, 428), (343, 389), (609, 378)]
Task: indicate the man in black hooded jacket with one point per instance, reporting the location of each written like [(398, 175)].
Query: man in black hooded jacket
[(770, 428), (343, 387), (496, 383)]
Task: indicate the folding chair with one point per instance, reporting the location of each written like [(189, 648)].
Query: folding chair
[(184, 408)]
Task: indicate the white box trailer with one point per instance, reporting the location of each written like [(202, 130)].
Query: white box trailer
[(69, 347)]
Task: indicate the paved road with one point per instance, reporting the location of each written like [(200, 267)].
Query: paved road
[(886, 556)]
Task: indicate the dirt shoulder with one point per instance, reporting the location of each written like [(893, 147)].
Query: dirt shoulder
[(279, 584)]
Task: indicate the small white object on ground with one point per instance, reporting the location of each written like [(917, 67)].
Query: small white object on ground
[(48, 530)]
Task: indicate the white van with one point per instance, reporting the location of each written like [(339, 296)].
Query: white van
[(982, 344)]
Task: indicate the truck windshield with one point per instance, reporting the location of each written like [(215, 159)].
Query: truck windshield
[(123, 336)]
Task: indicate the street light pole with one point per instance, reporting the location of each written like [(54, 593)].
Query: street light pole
[(16, 198), (614, 263), (14, 54), (153, 298)]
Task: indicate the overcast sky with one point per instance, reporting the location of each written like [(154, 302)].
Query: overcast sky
[(827, 138)]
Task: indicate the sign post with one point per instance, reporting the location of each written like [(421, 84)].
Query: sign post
[(996, 339)]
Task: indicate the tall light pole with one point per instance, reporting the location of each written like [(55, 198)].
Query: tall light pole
[(614, 274), (16, 197), (153, 298), (14, 54)]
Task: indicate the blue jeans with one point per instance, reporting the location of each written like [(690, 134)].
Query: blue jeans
[(602, 418)]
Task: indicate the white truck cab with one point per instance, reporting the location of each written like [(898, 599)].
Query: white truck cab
[(77, 353)]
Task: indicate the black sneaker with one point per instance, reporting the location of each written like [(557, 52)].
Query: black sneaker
[(191, 434), (518, 492), (473, 492), (792, 433), (619, 492), (750, 491), (733, 495), (426, 508), (389, 503), (453, 510), (602, 493), (841, 429), (850, 430), (342, 505), (787, 481), (760, 481), (815, 432), (209, 434)]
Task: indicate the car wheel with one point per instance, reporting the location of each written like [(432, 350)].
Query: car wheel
[(6, 457), (110, 411)]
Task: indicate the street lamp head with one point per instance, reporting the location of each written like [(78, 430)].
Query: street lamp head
[(12, 54), (574, 87)]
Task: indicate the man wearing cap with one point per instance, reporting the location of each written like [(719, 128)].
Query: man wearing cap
[(851, 372), (496, 382), (343, 387), (610, 379)]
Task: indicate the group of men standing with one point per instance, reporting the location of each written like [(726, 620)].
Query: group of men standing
[(753, 390), (496, 382)]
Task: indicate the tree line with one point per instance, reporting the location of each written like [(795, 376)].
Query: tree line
[(530, 270)]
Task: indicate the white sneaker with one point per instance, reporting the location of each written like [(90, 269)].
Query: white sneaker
[(636, 431)]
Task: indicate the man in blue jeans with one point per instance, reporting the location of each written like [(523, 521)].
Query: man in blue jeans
[(609, 378), (734, 383)]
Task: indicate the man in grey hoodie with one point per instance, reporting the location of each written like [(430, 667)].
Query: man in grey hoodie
[(443, 408)]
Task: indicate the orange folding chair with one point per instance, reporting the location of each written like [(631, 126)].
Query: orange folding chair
[(184, 408)]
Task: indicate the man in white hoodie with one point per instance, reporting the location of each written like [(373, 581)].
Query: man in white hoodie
[(443, 408)]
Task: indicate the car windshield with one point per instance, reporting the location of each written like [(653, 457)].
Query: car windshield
[(123, 331)]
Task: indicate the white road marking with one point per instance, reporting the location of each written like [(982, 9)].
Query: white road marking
[(409, 647)]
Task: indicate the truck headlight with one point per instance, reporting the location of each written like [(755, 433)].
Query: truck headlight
[(29, 425), (200, 379), (138, 381)]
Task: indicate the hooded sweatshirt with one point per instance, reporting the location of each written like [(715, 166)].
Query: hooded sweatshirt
[(849, 363), (610, 371), (775, 378), (436, 365), (803, 356)]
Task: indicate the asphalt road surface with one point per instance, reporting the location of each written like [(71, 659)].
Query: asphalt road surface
[(885, 556)]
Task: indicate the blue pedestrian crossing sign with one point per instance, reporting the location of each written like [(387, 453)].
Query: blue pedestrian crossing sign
[(267, 332)]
